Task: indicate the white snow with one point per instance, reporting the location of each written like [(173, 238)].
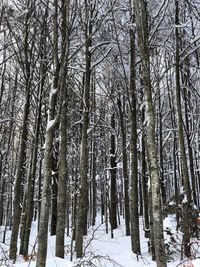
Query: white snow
[(185, 199), (50, 124), (104, 251), (51, 262)]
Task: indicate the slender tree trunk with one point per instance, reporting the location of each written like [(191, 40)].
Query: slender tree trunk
[(27, 54), (19, 179), (62, 177), (162, 180), (48, 153), (31, 177), (135, 235), (54, 196), (175, 163), (186, 80), (142, 27), (113, 177), (183, 160), (94, 185), (125, 168), (145, 179), (81, 226), (94, 182)]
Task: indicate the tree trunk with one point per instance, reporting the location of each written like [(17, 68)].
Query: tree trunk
[(142, 27), (31, 177), (48, 153), (62, 176), (135, 235), (183, 160), (145, 179), (19, 178), (81, 226), (113, 177), (125, 168)]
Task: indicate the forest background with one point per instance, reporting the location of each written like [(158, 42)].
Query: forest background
[(99, 114)]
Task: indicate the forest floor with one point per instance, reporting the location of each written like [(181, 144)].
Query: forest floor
[(102, 251)]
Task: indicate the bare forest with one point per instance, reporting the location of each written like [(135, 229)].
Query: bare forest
[(99, 127)]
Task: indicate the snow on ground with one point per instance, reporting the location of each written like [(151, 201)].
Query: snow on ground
[(102, 250)]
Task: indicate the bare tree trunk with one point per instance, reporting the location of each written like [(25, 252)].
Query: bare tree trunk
[(113, 177), (145, 191), (22, 154), (18, 180), (175, 161), (93, 174), (125, 168), (54, 194), (62, 176), (135, 235), (160, 125), (46, 190), (48, 154), (187, 96), (142, 27), (31, 178), (81, 226), (183, 160)]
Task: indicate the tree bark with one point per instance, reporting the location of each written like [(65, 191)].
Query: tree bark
[(183, 160), (48, 153), (113, 177), (142, 28), (62, 176), (81, 226), (135, 235), (22, 150), (125, 168)]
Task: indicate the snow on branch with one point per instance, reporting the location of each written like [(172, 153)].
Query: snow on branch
[(102, 58), (6, 120), (94, 47)]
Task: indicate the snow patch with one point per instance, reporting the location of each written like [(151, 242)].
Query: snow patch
[(50, 124)]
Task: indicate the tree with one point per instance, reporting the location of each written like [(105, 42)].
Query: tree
[(53, 119), (142, 29), (62, 176), (183, 160), (81, 228), (135, 236), (28, 72)]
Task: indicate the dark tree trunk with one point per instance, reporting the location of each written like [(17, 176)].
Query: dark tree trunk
[(54, 195), (125, 168), (32, 175), (19, 179), (113, 177), (183, 160), (62, 177), (135, 235), (82, 205)]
